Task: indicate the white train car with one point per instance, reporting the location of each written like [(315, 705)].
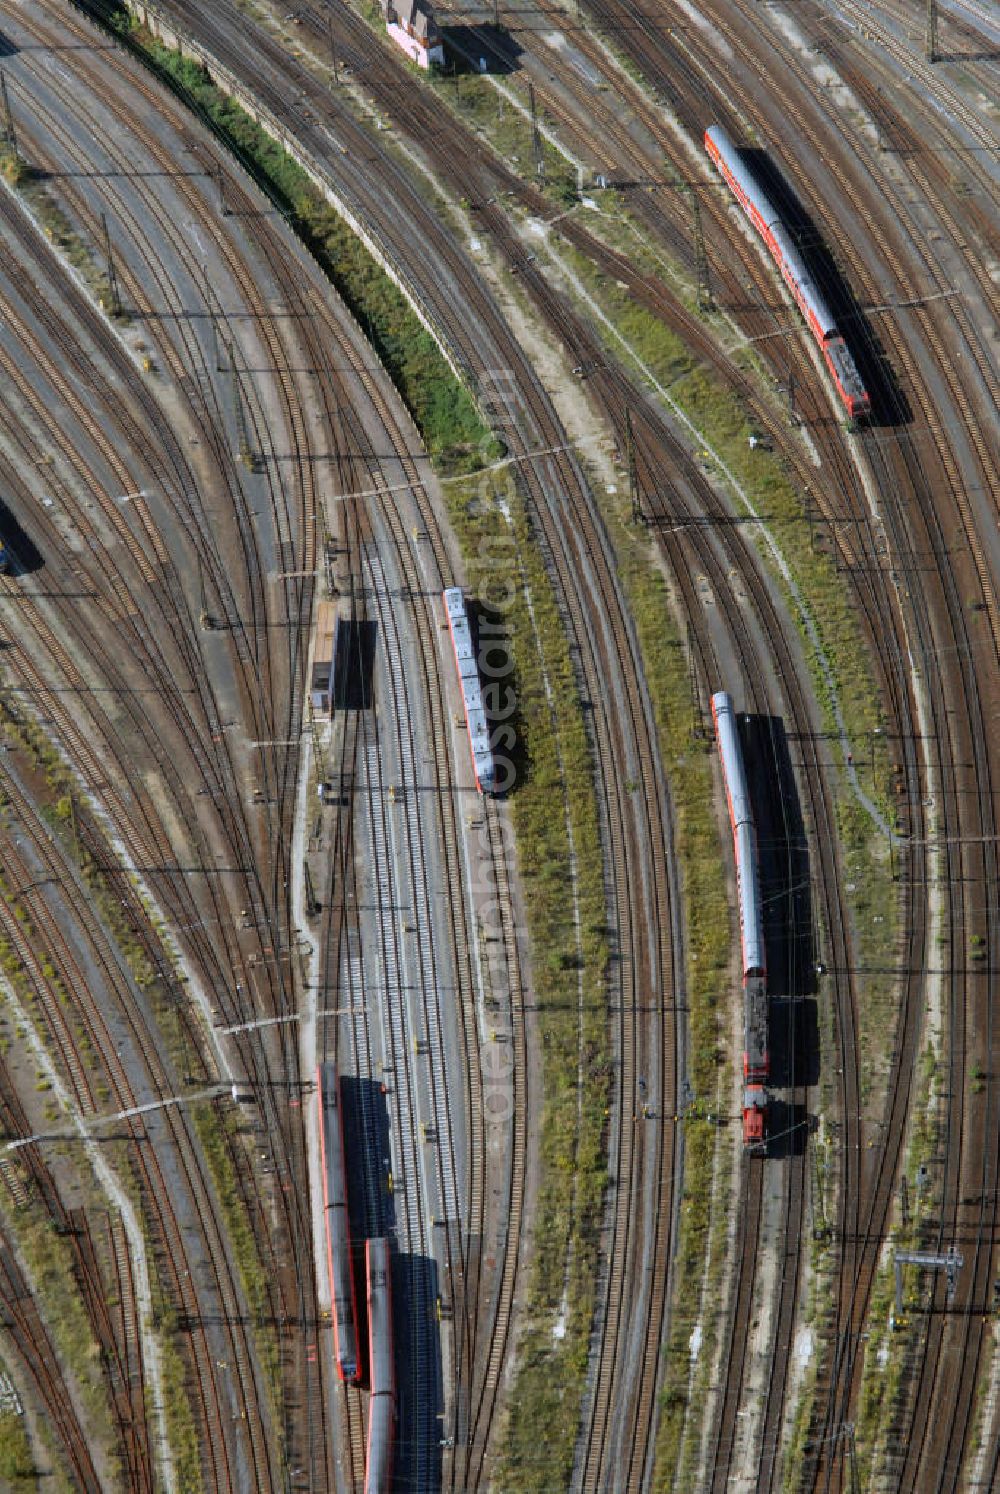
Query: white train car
[(477, 726), (339, 1260), (382, 1404)]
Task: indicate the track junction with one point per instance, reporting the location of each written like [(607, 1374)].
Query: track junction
[(209, 889)]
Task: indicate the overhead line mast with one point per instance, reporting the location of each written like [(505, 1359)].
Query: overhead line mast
[(932, 20), (536, 137), (700, 252), (10, 134), (116, 303)]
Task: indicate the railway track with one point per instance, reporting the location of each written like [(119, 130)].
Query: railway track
[(144, 856), (469, 355), (29, 1336), (49, 932), (20, 1319), (917, 481), (372, 599), (792, 1231), (970, 711), (118, 1338), (911, 1046)]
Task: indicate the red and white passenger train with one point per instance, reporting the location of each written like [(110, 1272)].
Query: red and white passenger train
[(378, 1274), (756, 1060), (767, 221)]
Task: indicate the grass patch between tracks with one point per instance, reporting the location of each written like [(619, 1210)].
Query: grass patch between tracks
[(555, 819), (41, 203), (887, 1387), (443, 409), (182, 1430), (648, 344), (711, 990), (500, 112), (47, 1257), (13, 168), (17, 1465), (217, 1126)]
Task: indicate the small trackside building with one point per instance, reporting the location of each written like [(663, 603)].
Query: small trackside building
[(412, 26), (324, 632)]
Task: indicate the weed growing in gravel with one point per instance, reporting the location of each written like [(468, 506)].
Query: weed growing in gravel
[(47, 1257), (709, 992), (444, 411), (17, 1466), (559, 854), (885, 1384), (182, 1432), (13, 167), (506, 122), (218, 1127)]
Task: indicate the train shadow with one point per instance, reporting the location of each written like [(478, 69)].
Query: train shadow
[(367, 1153), (985, 54), (419, 1378), (23, 556), (889, 404), (416, 1289), (786, 902), (484, 48), (788, 1126), (793, 1036), (501, 696), (353, 664), (784, 857)]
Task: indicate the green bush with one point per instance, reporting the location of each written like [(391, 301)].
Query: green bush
[(559, 857), (442, 408), (17, 1466)]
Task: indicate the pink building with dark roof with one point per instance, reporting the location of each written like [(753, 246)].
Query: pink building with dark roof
[(412, 26)]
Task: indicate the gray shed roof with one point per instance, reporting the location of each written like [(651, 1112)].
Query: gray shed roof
[(416, 16)]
